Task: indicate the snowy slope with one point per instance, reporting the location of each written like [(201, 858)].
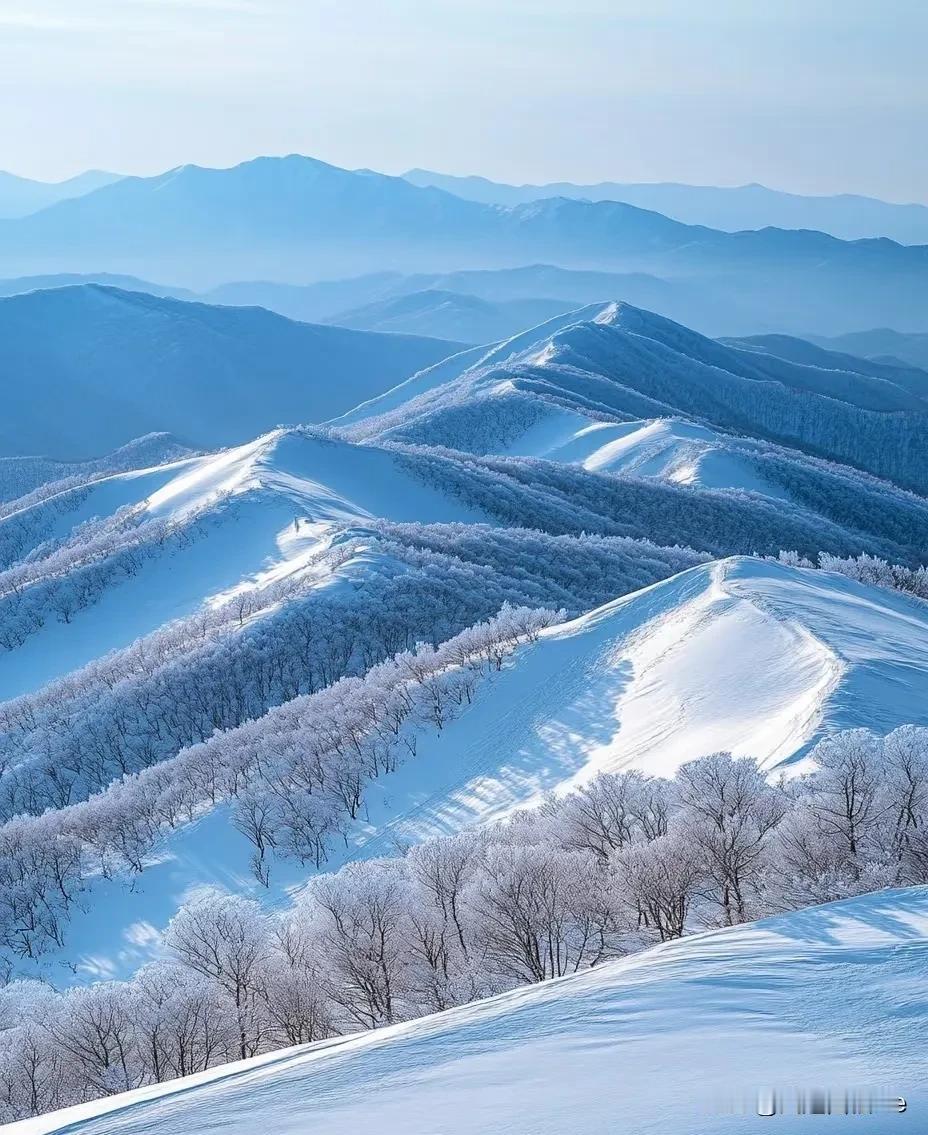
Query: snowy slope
[(613, 362), (256, 513), (741, 655), (670, 1039), (673, 450), (22, 475)]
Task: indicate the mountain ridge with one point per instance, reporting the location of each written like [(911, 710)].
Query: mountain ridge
[(21, 196), (295, 216), (184, 367), (849, 216)]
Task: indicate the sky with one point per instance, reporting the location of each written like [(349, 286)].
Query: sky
[(814, 96)]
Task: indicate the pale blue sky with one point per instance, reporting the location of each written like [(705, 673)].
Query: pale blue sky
[(809, 95)]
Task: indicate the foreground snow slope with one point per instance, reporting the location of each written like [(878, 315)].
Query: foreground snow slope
[(740, 655), (664, 1041)]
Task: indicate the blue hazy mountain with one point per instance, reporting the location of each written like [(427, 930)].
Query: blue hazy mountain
[(451, 315), (845, 215), (20, 196), (20, 284), (532, 292), (877, 364), (296, 219), (87, 369), (327, 300), (882, 343)]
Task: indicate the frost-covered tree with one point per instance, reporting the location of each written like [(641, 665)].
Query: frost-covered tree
[(661, 878), (361, 913), (621, 862), (226, 938), (95, 1027), (730, 812)]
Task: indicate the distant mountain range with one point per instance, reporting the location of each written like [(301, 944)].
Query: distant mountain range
[(20, 196), (824, 353), (22, 284), (451, 315), (295, 218), (881, 343), (89, 368), (731, 209), (510, 293)]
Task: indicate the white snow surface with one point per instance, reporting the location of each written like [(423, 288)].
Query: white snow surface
[(673, 1039), (264, 510), (537, 369), (670, 449), (476, 360), (741, 655)]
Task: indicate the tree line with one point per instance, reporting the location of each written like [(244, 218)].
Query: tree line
[(621, 863)]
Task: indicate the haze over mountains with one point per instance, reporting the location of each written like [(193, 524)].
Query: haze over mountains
[(847, 215), (20, 196), (451, 315), (509, 293), (881, 344), (116, 365), (293, 219)]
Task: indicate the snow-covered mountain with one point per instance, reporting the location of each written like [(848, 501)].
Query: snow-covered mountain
[(877, 364), (244, 667), (730, 208), (691, 1036), (20, 476), (660, 677), (614, 361), (202, 529), (116, 365)]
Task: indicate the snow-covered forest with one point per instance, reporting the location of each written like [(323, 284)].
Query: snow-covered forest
[(556, 651), (602, 871)]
